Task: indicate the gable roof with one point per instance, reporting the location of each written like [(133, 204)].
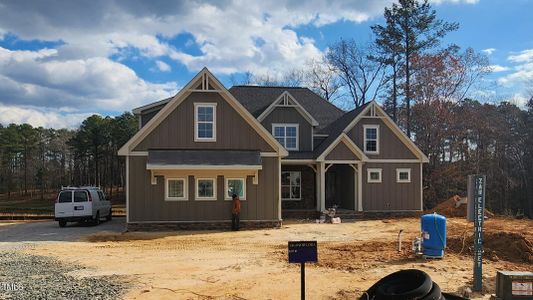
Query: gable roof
[(211, 84), (286, 97), (257, 99), (335, 129), (344, 124), (342, 138)]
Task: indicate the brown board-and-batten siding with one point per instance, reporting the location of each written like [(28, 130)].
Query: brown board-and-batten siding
[(176, 131), (390, 146), (147, 201), (341, 152), (390, 195), (283, 115)]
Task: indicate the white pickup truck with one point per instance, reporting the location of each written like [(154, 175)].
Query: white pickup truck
[(78, 204)]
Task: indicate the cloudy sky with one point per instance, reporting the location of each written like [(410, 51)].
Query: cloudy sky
[(61, 61)]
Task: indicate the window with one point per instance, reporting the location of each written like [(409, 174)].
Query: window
[(374, 175), (291, 185), (206, 189), (236, 186), (176, 189), (80, 196), (205, 129), (403, 175), (371, 139), (287, 135), (65, 196)]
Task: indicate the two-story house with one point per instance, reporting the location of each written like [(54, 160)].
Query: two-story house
[(280, 149)]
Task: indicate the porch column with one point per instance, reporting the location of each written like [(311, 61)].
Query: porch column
[(322, 176), (359, 186)]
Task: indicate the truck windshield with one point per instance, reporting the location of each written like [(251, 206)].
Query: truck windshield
[(80, 196), (65, 196)]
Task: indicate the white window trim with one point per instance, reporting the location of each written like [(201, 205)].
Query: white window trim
[(185, 190), (377, 138), (401, 170), (372, 170), (290, 187), (214, 198), (274, 125), (196, 106), (226, 189)]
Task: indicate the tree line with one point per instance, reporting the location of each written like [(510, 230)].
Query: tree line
[(36, 159), (422, 84), (424, 87)]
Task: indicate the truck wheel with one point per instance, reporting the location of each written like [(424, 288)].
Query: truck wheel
[(97, 219), (109, 216), (62, 223)]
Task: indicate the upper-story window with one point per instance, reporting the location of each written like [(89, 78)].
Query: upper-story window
[(287, 135), (205, 125), (371, 139)]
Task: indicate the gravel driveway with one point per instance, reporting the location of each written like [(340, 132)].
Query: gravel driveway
[(25, 276)]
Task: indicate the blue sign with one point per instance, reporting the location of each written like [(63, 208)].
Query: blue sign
[(479, 216), (302, 252)]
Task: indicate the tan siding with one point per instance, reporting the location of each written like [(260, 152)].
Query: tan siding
[(146, 201), (342, 152), (177, 130), (291, 115), (390, 146), (390, 195)]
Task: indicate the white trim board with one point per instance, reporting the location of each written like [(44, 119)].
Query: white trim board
[(203, 167), (390, 124), (181, 96), (286, 97), (348, 142)]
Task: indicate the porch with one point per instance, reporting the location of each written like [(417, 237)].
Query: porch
[(307, 188)]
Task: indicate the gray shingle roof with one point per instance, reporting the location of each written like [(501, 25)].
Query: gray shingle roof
[(257, 98), (336, 128)]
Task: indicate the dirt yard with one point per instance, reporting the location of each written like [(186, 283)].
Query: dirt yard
[(253, 264)]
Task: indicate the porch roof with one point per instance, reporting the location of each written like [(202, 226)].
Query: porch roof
[(196, 159)]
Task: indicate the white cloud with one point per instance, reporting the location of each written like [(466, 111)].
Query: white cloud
[(498, 68), (40, 117), (523, 56), (162, 66), (519, 100), (488, 51), (522, 71), (38, 78), (79, 73)]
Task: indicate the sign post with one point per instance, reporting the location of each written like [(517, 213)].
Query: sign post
[(476, 192), (301, 252)]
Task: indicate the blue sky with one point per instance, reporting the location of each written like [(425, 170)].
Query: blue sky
[(63, 61)]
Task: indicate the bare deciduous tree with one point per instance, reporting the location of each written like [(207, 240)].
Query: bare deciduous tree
[(362, 76), (321, 78)]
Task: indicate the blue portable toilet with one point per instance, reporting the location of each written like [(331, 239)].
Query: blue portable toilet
[(433, 235)]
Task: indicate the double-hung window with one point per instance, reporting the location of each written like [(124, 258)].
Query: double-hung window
[(206, 189), (175, 189), (286, 135), (371, 139), (205, 126), (236, 186), (291, 185)]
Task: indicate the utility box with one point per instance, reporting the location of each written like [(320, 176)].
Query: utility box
[(514, 285)]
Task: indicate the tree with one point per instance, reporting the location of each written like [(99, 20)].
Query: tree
[(321, 78), (360, 74), (446, 75), (413, 28)]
